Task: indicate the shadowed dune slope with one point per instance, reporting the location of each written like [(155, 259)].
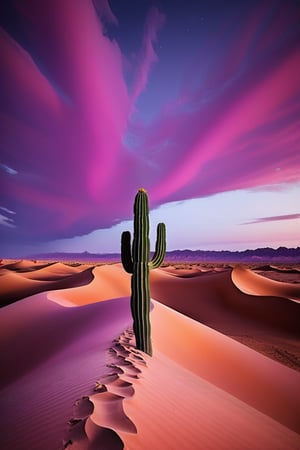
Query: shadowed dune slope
[(50, 356), (214, 300)]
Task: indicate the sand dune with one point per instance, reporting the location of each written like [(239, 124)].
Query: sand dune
[(109, 281), (229, 365), (197, 414), (183, 273), (175, 399), (200, 390), (51, 356), (23, 265), (17, 285), (266, 323), (254, 284), (54, 271), (214, 300)]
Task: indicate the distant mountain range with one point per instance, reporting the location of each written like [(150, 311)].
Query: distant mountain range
[(259, 255)]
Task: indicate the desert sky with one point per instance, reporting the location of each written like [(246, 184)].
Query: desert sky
[(196, 101)]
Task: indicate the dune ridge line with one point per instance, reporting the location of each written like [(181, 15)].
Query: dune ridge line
[(99, 417)]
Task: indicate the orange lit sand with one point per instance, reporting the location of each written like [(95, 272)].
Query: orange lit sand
[(200, 390)]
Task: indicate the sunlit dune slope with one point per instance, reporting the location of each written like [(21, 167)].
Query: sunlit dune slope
[(254, 284), (226, 363), (199, 390), (23, 265), (110, 281), (19, 284)]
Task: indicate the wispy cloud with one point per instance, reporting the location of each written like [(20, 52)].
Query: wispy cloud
[(6, 210), (105, 12), (8, 169), (7, 221), (147, 55), (273, 219)]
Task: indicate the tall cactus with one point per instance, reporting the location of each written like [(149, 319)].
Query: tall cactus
[(137, 263)]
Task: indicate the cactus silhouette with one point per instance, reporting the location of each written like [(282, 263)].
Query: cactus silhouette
[(137, 263)]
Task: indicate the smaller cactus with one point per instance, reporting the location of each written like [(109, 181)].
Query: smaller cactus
[(137, 263)]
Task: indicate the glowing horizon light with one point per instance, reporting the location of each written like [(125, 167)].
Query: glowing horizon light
[(206, 224)]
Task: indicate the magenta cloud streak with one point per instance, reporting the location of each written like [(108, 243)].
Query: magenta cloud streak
[(253, 133), (66, 112)]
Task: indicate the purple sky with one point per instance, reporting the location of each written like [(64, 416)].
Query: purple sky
[(187, 99)]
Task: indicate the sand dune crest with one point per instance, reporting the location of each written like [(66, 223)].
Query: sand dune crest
[(254, 284), (109, 282), (104, 410), (229, 365), (21, 284)]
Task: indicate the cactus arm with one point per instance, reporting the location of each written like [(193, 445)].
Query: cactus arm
[(126, 252), (160, 247)]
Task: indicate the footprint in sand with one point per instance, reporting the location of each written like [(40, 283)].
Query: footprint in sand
[(114, 384), (97, 418)]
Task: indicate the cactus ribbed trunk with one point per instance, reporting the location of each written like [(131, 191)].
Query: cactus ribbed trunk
[(138, 264), (140, 306), (140, 292)]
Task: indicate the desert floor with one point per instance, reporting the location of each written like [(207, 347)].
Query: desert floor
[(225, 370)]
